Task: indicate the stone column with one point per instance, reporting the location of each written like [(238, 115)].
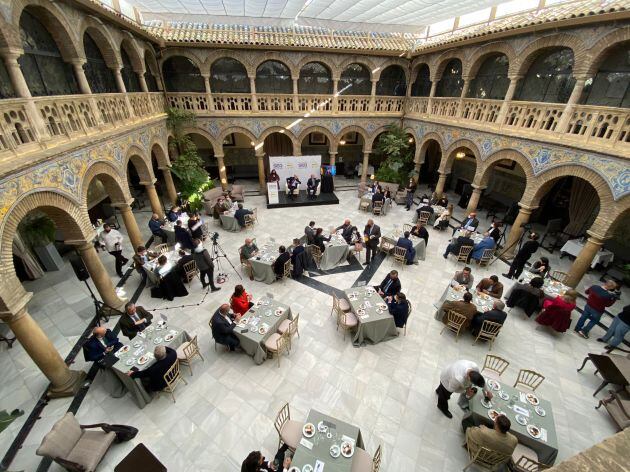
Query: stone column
[(373, 95), (574, 99), (131, 225), (439, 188), (333, 156), (120, 83), (474, 199), (509, 95), (79, 73), (335, 108), (260, 157), (584, 259), (170, 185), (252, 87), (296, 100), (154, 200), (431, 95), (222, 172), (100, 277), (366, 163), (206, 84), (460, 105), (65, 382), (517, 230), (142, 81)]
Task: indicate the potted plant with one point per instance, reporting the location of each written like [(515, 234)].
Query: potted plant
[(38, 231)]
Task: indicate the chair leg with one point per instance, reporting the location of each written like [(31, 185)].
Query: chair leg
[(173, 396)]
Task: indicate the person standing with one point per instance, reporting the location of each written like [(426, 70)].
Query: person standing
[(111, 240), (371, 235), (618, 329), (600, 297), (522, 256), (205, 265), (459, 377), (411, 190)]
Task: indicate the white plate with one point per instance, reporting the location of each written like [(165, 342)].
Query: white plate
[(533, 399), (540, 411), (360, 312), (157, 340), (492, 414), (494, 385), (123, 349), (321, 427), (307, 468), (484, 404), (262, 331), (347, 449), (520, 419), (143, 360), (382, 306), (169, 337), (308, 430), (335, 451), (137, 344), (130, 362), (534, 431), (503, 395)]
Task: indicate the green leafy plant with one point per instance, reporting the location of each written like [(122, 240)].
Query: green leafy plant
[(38, 230), (394, 147)]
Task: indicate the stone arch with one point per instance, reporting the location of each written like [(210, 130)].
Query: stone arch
[(437, 69), (204, 68), (275, 56), (202, 132), (236, 55), (138, 158), (236, 129), (131, 47), (348, 129), (597, 53), (101, 36), (424, 144), (161, 154), (364, 61), (415, 68), (526, 57), (325, 60), (403, 65), (448, 156), (369, 145), (148, 53), (472, 64), (111, 179), (9, 35), (332, 142), (617, 213), (482, 175), (278, 129)]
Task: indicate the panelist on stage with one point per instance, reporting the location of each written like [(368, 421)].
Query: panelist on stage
[(311, 187), (292, 185)]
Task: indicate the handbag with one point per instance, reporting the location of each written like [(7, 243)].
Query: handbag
[(123, 432)]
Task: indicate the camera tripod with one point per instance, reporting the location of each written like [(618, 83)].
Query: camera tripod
[(216, 253), (526, 230)]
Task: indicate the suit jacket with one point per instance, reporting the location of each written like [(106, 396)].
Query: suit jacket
[(183, 237), (129, 328), (138, 262), (196, 233), (312, 183), (293, 183), (296, 252), (239, 215), (529, 248), (485, 243), (482, 436), (374, 235), (463, 308), (319, 241), (461, 241), (378, 197), (495, 234), (496, 316), (221, 328), (278, 265), (155, 373), (485, 284), (474, 222), (400, 312), (346, 232), (203, 260), (408, 245), (421, 233), (427, 208), (93, 349), (155, 225), (310, 234), (393, 288)]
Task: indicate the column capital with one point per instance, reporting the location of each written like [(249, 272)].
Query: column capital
[(259, 153), (123, 206), (333, 152), (219, 156), (514, 76), (83, 246), (478, 188), (148, 184), (166, 168), (11, 54), (444, 174), (77, 61), (526, 208), (596, 238)]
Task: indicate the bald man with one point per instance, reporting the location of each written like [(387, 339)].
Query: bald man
[(346, 230), (223, 323), (101, 343), (371, 236)]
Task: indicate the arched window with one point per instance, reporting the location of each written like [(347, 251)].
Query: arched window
[(273, 77), (611, 85), (315, 78), (6, 87), (99, 76), (549, 78), (44, 70), (355, 80), (181, 75), (228, 75), (149, 74), (129, 76), (491, 81), (392, 82), (422, 86), (451, 83)]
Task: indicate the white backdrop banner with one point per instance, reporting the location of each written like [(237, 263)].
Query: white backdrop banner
[(302, 166)]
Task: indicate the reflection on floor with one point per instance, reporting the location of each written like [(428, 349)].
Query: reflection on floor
[(227, 409)]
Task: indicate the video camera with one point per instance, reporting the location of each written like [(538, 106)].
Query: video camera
[(215, 237)]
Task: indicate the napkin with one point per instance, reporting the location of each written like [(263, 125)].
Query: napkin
[(306, 443), (522, 397), (347, 438), (521, 411), (319, 466), (543, 434)]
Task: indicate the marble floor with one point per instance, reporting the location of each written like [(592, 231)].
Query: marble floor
[(387, 390)]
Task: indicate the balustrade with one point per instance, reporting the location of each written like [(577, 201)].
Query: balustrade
[(534, 116), (16, 129), (188, 101), (484, 111), (443, 106), (277, 102), (600, 124)]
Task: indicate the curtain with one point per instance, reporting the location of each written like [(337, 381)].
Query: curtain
[(277, 144), (32, 267), (582, 206)]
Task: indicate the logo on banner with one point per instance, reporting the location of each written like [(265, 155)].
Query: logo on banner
[(278, 166), (302, 165)]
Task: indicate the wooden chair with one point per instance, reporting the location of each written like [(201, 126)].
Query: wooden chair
[(400, 255), (617, 405), (161, 249), (347, 322), (340, 304), (387, 245), (494, 366), (377, 208), (408, 315), (287, 269), (249, 221), (172, 377), (424, 217), (488, 332), (558, 275), (316, 253), (407, 227), (289, 431), (190, 271), (529, 379), (364, 462), (254, 214), (454, 322), (486, 257), (464, 252), (215, 341), (364, 205), (485, 458), (290, 327), (277, 344), (525, 459), (187, 351)]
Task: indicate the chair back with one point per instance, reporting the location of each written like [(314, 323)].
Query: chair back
[(489, 331), (376, 462), (293, 325), (529, 378), (377, 207), (191, 271), (161, 249), (282, 417), (407, 227), (525, 464), (464, 252), (255, 214), (387, 245), (316, 253), (400, 254), (282, 343), (558, 275), (192, 349), (249, 221), (454, 322), (486, 257), (424, 217), (488, 458), (495, 364), (287, 269), (172, 376)]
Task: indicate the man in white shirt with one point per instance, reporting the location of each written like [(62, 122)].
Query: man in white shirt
[(459, 377), (111, 240)]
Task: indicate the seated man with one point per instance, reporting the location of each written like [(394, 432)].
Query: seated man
[(486, 243), (173, 214), (101, 343), (469, 223), (134, 320), (463, 277), (247, 251), (346, 230), (182, 236), (497, 439), (296, 248), (378, 196), (463, 307), (496, 315), (223, 325), (157, 228), (281, 260), (292, 184), (390, 285), (406, 243), (455, 246), (140, 258), (309, 232), (311, 186), (240, 213), (491, 286), (184, 258), (424, 206), (398, 308), (420, 231), (442, 201), (165, 357)]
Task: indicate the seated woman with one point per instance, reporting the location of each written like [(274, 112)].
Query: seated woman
[(441, 222), (240, 301), (319, 239), (420, 231), (255, 461), (541, 267), (557, 312), (398, 308)]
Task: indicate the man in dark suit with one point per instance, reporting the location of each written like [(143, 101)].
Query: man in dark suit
[(296, 249), (102, 342), (495, 231), (311, 186), (239, 215), (346, 230), (390, 285), (309, 231), (372, 235), (455, 246), (165, 357), (496, 315), (425, 207), (223, 327), (522, 256), (281, 260), (184, 258), (469, 223), (292, 184), (406, 243), (182, 236), (378, 197), (134, 320)]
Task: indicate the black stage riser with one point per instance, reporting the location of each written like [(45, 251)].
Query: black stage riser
[(302, 200)]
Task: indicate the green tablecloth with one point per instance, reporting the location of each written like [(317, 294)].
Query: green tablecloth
[(368, 198), (437, 211), (321, 444), (552, 288), (173, 257), (374, 327), (252, 342), (418, 243), (547, 450), (336, 252), (482, 301), (137, 347), (476, 236), (229, 223), (262, 264)]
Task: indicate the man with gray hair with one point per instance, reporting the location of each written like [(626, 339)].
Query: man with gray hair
[(222, 324), (165, 357), (496, 315)]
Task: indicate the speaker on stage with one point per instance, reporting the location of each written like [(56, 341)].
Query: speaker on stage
[(79, 268)]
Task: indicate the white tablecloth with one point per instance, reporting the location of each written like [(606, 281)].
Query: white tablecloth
[(574, 246)]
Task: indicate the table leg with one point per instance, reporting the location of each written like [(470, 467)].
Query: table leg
[(603, 384), (587, 358)]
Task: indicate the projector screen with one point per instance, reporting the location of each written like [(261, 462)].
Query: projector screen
[(302, 166)]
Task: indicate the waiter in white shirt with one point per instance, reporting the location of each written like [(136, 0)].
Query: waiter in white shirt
[(111, 240), (459, 377)]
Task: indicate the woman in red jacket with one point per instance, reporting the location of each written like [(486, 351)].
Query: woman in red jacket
[(241, 301), (557, 312)]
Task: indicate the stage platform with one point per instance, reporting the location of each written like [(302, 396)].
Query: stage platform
[(302, 200)]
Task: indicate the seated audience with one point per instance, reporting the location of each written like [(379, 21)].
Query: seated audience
[(398, 308), (425, 206), (182, 236), (255, 462), (296, 249), (140, 258), (406, 243), (134, 320), (541, 267), (420, 231), (378, 196), (442, 201), (463, 307), (495, 231), (165, 357), (320, 239), (157, 228), (101, 343), (486, 243), (247, 251), (281, 260), (346, 230), (240, 301), (442, 221), (240, 213), (462, 241), (496, 315), (464, 278), (529, 296), (557, 312), (309, 231), (491, 286), (618, 329), (223, 327), (163, 267), (173, 214), (184, 258), (498, 439), (390, 285), (195, 226), (469, 223)]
